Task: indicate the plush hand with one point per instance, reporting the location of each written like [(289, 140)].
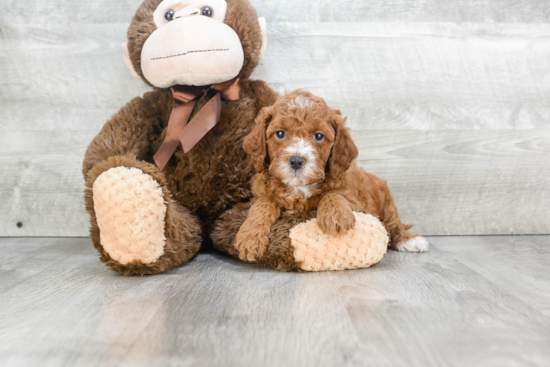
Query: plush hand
[(334, 215)]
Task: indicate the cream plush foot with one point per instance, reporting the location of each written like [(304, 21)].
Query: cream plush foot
[(361, 247), (130, 210)]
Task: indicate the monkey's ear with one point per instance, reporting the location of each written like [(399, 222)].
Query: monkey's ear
[(127, 61), (255, 144), (263, 27)]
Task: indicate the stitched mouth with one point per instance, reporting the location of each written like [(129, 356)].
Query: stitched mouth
[(191, 52)]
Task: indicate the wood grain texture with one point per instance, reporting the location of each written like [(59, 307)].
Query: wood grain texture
[(418, 76), (106, 11), (507, 260), (491, 11), (470, 301), (452, 78), (464, 182)]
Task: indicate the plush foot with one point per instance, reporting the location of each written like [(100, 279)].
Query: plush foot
[(415, 244), (360, 247), (130, 211)]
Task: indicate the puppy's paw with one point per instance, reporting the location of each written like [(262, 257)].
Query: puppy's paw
[(251, 247), (336, 222), (415, 244)]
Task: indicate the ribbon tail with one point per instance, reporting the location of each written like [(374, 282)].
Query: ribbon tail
[(230, 90), (202, 123), (177, 122)]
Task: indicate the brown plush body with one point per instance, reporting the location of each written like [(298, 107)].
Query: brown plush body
[(197, 186), (214, 174)]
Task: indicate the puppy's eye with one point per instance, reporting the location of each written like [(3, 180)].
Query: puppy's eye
[(169, 16), (207, 11), (280, 134), (318, 137)]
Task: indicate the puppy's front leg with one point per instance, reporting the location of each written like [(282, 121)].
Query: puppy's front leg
[(253, 237), (334, 214)]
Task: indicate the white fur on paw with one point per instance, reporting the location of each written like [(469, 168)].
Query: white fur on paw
[(415, 244), (130, 210)]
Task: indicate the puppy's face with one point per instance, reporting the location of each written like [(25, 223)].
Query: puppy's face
[(300, 140)]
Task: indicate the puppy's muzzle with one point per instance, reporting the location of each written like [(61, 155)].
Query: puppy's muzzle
[(296, 162)]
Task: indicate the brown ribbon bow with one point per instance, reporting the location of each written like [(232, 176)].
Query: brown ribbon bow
[(189, 134)]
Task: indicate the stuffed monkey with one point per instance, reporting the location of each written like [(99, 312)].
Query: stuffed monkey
[(168, 172)]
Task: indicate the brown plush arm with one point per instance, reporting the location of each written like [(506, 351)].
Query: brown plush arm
[(129, 132), (253, 238), (334, 214)]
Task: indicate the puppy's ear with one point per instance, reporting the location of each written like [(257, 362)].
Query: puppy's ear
[(344, 150), (255, 144)]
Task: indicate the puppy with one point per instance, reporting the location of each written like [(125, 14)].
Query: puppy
[(305, 160)]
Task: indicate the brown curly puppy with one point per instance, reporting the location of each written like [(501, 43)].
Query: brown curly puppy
[(305, 159)]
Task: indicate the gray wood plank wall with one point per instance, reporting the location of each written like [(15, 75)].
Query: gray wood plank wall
[(449, 101)]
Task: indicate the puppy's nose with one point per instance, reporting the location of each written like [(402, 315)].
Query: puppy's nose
[(296, 162)]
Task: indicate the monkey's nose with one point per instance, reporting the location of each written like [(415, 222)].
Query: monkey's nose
[(296, 162)]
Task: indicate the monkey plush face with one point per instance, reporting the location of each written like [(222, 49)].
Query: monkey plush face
[(194, 42)]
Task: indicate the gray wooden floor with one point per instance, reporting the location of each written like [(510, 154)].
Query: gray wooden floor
[(470, 301)]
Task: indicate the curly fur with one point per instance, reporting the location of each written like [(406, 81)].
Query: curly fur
[(329, 181)]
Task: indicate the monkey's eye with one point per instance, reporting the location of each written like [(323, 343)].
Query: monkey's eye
[(207, 11), (280, 134), (169, 16), (318, 137)]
